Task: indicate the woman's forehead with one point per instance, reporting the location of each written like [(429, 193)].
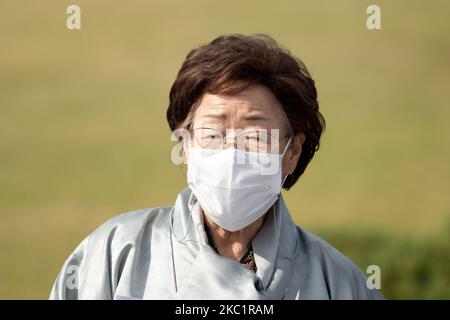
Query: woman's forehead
[(256, 103)]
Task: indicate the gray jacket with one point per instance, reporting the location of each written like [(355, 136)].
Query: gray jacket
[(163, 253)]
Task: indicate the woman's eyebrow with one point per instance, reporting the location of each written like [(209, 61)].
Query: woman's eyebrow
[(219, 116), (255, 117), (249, 117)]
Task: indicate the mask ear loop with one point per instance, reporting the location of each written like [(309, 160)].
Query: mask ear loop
[(284, 179), (297, 247), (282, 156)]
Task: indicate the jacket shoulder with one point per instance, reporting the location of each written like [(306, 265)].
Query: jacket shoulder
[(343, 278), (93, 269), (128, 225)]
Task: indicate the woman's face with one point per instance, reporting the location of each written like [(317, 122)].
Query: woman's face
[(250, 110)]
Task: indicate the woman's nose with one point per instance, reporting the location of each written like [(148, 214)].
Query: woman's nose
[(232, 142)]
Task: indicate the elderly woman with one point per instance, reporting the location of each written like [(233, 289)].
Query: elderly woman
[(248, 120)]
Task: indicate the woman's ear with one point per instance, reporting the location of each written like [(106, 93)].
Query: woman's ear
[(293, 153)]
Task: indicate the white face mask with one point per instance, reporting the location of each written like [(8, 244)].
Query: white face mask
[(235, 187)]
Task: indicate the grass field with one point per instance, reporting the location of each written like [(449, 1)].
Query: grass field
[(83, 135)]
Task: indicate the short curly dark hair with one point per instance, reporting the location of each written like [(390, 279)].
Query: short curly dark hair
[(231, 63)]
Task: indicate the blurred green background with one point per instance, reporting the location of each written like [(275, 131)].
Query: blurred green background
[(83, 135)]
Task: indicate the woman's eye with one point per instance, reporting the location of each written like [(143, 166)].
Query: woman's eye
[(212, 138)]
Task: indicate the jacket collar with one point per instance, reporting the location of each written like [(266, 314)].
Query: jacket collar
[(276, 240)]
